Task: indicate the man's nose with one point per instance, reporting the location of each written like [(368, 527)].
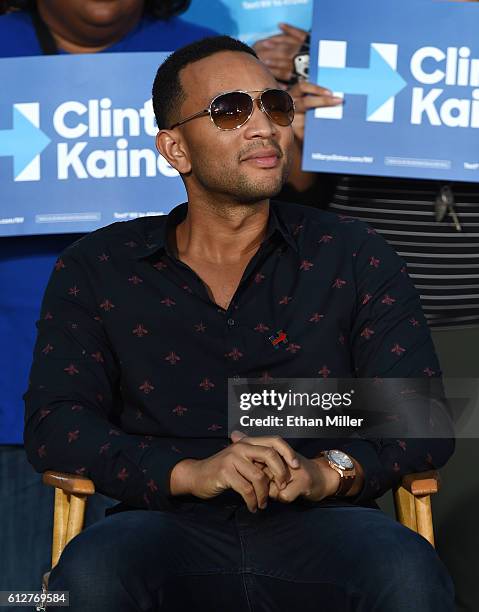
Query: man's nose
[(260, 124)]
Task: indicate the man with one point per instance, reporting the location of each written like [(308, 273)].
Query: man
[(143, 323)]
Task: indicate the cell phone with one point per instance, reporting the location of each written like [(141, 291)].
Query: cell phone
[(301, 61)]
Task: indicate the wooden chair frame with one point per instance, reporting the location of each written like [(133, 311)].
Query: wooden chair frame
[(412, 501)]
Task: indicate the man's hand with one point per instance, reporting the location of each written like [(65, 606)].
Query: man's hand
[(236, 467), (307, 95), (278, 52), (313, 479)]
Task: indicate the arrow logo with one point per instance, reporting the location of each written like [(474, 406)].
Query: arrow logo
[(380, 82), (24, 142)]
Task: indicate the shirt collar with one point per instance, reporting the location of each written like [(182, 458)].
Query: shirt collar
[(156, 239)]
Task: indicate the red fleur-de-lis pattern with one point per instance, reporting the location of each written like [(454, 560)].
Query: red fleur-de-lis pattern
[(367, 333), (133, 357), (235, 354), (140, 331), (71, 369), (179, 410), (325, 239), (261, 327), (306, 265), (146, 387), (172, 358), (106, 305), (293, 348), (324, 371)]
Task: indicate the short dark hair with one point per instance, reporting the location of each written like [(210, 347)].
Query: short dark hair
[(168, 93)]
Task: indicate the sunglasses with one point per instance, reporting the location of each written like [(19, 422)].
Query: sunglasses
[(231, 110)]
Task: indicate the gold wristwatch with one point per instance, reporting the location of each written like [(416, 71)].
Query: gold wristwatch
[(344, 466)]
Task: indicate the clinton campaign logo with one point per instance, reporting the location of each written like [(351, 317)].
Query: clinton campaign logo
[(77, 143), (379, 82), (74, 127), (24, 141), (409, 74)]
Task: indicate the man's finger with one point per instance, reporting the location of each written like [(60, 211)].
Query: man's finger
[(237, 435), (271, 42), (273, 490), (305, 87), (280, 51), (296, 33), (277, 60), (255, 475), (242, 486), (271, 458), (280, 445), (290, 493), (304, 104)]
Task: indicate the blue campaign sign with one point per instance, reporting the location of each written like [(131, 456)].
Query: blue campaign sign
[(409, 75), (77, 143), (250, 20)]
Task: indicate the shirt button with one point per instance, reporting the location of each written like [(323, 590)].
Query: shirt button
[(231, 322)]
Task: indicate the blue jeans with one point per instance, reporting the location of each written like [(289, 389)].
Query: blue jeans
[(224, 559)]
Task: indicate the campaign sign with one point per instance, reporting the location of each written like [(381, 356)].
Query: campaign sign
[(250, 20), (77, 143), (409, 75)]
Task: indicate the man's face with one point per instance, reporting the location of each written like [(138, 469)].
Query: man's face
[(225, 163)]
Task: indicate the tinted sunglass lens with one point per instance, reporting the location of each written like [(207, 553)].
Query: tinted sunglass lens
[(279, 105), (231, 110)]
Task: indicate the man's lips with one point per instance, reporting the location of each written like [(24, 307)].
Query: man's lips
[(264, 158)]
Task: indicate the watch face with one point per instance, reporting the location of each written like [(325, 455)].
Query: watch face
[(341, 459)]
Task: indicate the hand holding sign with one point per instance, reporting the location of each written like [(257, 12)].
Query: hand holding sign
[(308, 95), (278, 52)]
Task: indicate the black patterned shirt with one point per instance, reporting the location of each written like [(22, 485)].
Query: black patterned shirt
[(132, 359)]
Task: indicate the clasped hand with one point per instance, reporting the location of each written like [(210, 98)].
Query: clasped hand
[(257, 468)]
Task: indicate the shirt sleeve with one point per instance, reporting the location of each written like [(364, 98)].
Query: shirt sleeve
[(390, 338), (72, 403)]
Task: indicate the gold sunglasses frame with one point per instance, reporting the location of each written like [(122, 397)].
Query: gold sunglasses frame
[(207, 111)]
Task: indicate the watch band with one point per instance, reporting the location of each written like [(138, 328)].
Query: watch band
[(345, 483)]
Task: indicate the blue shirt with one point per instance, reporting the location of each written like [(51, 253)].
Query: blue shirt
[(133, 357), (26, 262)]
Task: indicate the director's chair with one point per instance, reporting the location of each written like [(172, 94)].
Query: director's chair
[(412, 501)]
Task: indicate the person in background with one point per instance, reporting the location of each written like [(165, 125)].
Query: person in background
[(278, 53), (433, 226), (30, 29), (51, 27)]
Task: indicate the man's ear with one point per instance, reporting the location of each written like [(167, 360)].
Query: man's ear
[(170, 144)]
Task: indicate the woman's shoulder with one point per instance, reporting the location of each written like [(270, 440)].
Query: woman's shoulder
[(17, 35)]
